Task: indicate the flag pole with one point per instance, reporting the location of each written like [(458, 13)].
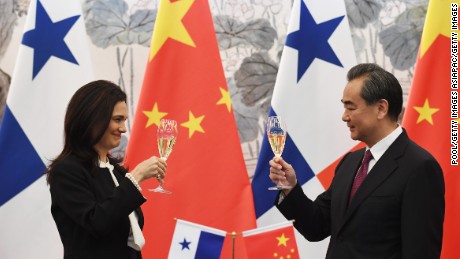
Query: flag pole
[(233, 244)]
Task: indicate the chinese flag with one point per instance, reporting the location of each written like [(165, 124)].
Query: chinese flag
[(275, 241), (184, 80), (428, 119)]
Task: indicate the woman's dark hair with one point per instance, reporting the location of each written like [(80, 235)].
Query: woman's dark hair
[(88, 115), (379, 84)]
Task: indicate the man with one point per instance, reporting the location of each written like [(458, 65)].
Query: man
[(397, 211)]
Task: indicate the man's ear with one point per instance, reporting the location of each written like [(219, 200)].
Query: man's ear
[(382, 108)]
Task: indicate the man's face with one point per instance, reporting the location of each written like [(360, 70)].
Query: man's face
[(360, 117)]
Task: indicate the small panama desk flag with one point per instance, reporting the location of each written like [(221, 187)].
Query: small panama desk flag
[(53, 62), (307, 94), (274, 241), (194, 241), (428, 117)]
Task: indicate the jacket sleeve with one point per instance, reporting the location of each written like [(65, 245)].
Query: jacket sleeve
[(311, 218)]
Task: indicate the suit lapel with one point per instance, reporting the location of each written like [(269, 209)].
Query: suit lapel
[(379, 173)]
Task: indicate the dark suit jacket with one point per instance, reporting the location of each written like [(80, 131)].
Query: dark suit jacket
[(398, 211), (90, 213)]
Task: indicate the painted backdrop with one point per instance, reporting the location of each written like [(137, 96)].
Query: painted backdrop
[(250, 33)]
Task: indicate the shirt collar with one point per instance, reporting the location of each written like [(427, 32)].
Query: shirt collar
[(380, 147), (106, 165)]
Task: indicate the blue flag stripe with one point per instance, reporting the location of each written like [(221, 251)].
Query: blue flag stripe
[(20, 163), (209, 246), (264, 199)]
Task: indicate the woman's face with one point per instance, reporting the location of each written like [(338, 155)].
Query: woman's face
[(112, 135)]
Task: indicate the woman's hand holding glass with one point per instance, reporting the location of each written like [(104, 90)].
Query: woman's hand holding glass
[(152, 167)]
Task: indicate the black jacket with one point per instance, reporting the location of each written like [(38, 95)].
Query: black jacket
[(90, 213)]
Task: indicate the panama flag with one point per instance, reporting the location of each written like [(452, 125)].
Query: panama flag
[(52, 63), (432, 108), (192, 240), (317, 55)]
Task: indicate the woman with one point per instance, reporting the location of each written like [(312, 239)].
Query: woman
[(93, 198)]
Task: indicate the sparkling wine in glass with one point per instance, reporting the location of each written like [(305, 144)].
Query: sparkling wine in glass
[(166, 138), (277, 132)]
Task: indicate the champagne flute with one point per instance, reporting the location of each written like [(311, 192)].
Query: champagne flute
[(166, 138), (277, 132)]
